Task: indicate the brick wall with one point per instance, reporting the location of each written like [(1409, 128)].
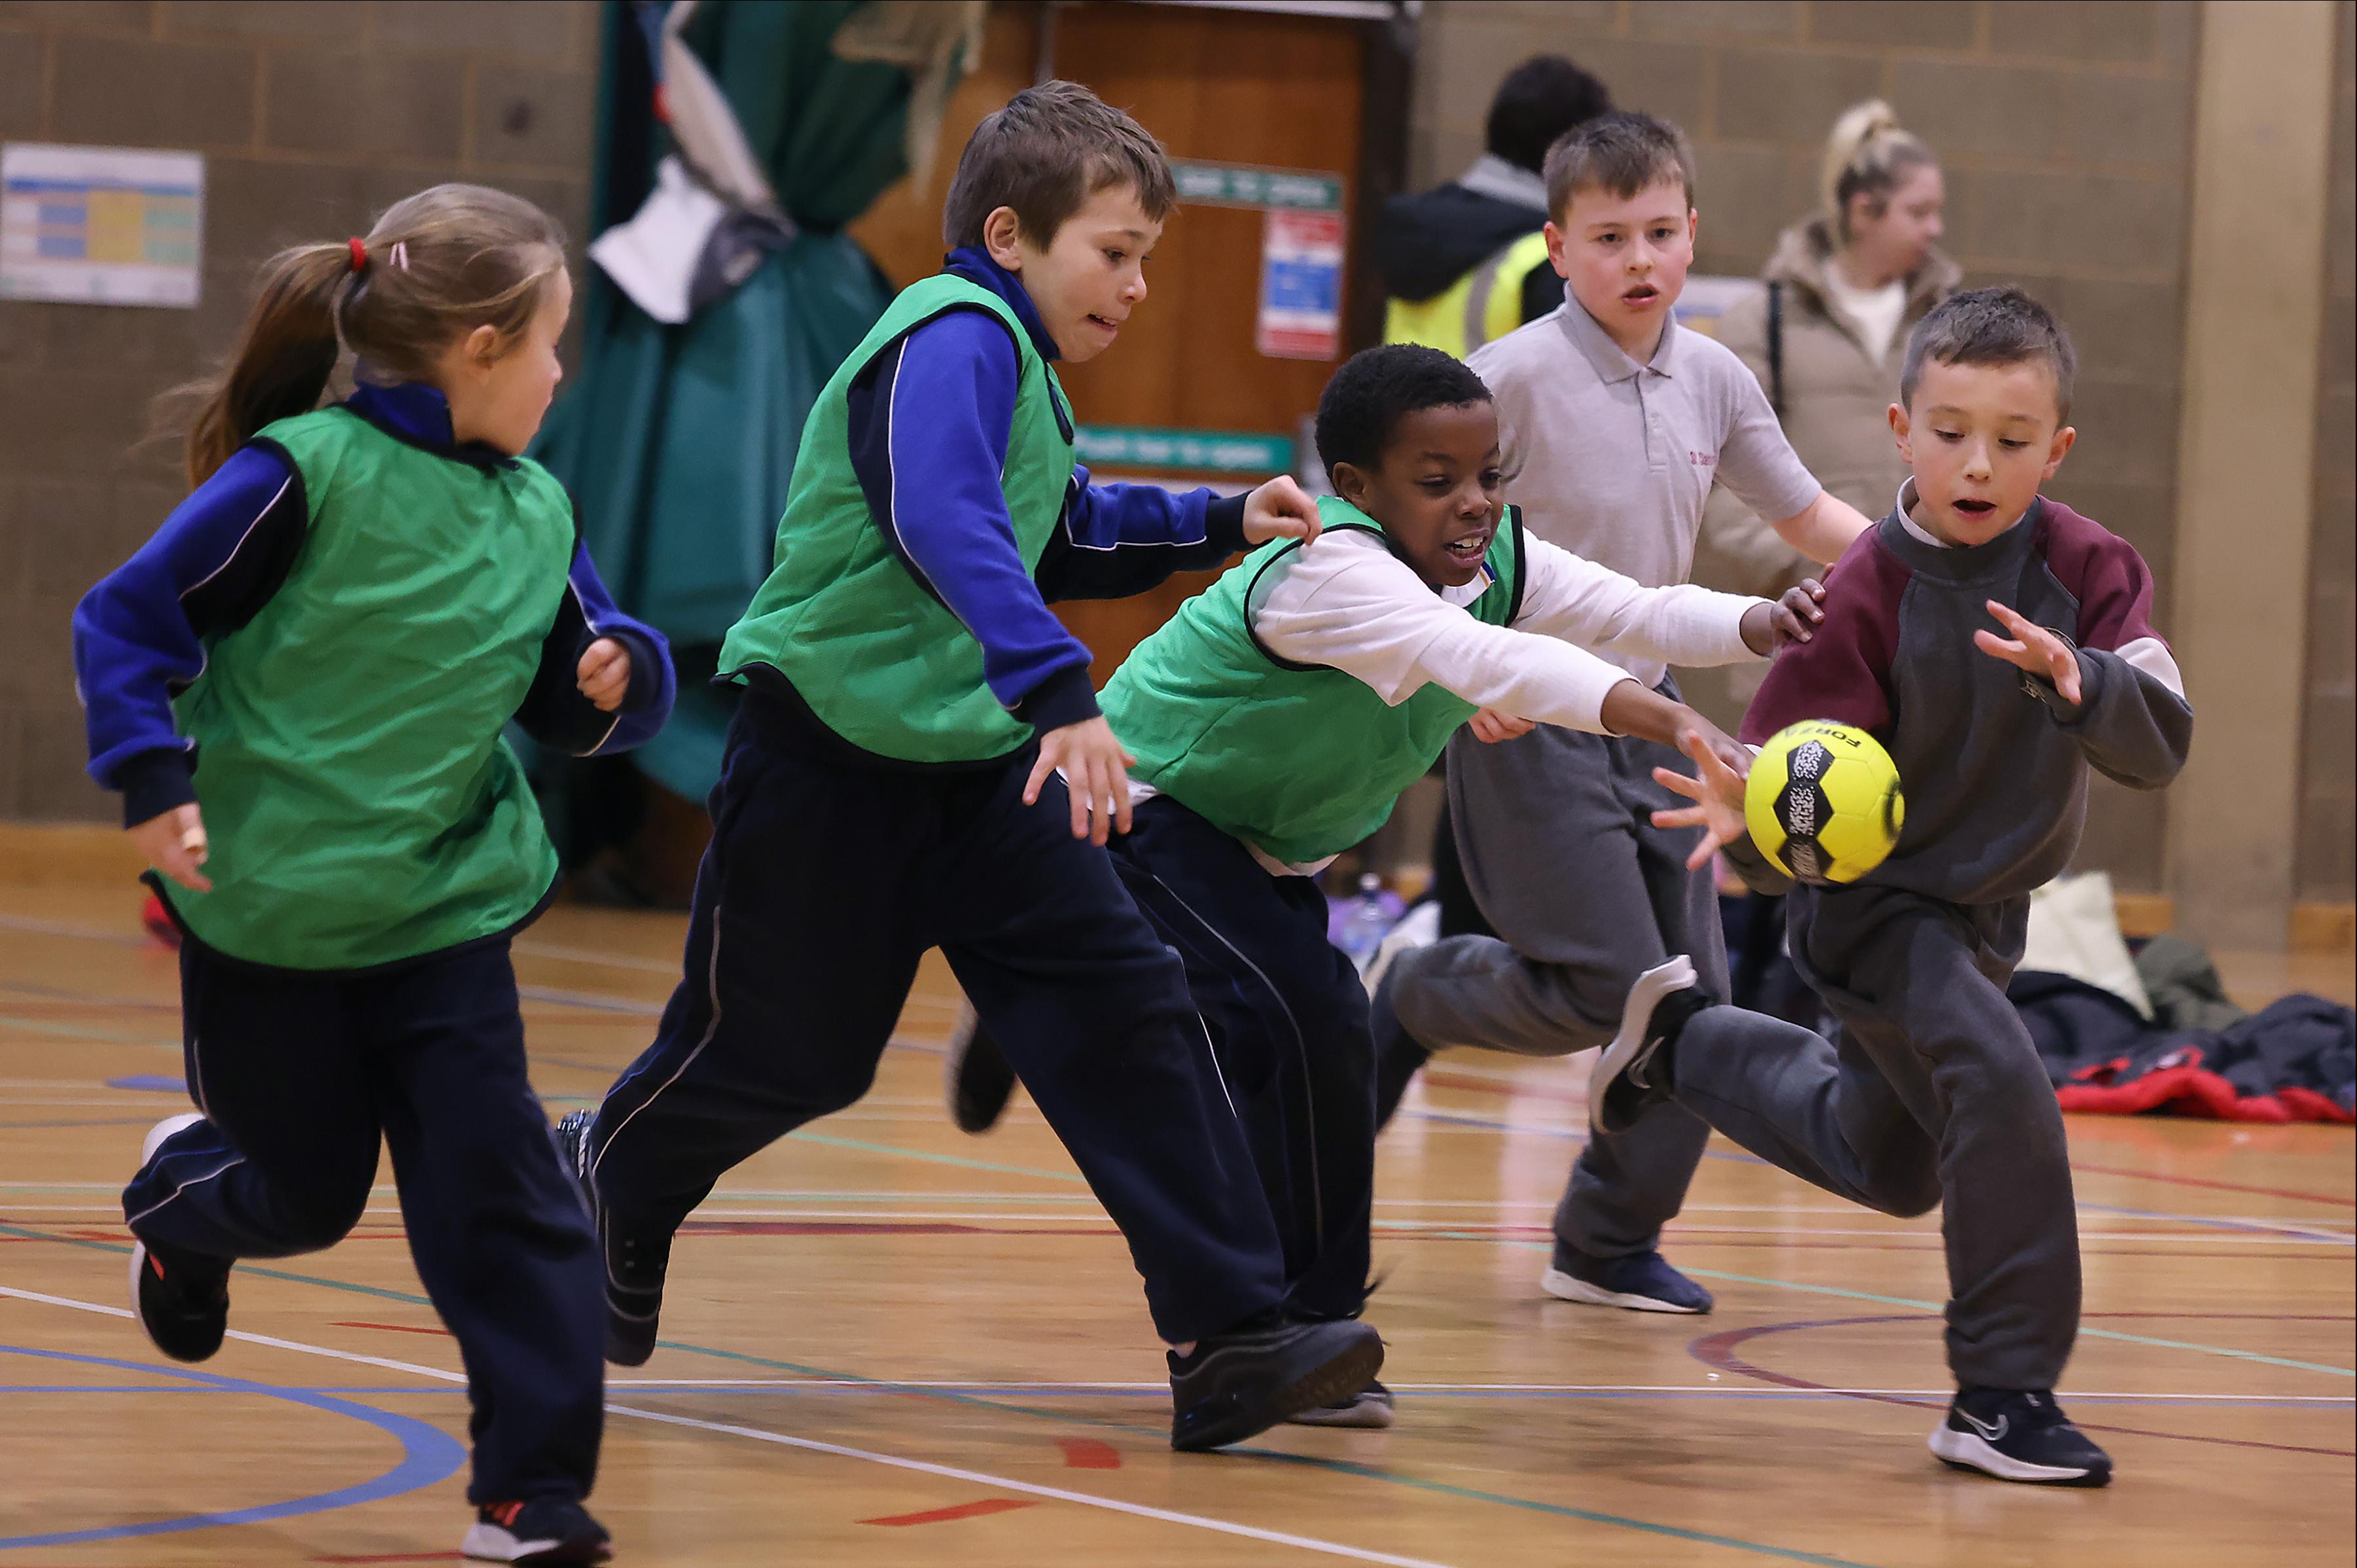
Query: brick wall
[(2328, 857), (2064, 128), (312, 115)]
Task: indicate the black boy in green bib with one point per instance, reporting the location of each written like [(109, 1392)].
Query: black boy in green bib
[(1277, 717)]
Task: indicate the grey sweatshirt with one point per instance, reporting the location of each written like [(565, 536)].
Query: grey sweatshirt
[(1993, 761)]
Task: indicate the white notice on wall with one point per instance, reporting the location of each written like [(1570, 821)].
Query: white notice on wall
[(1300, 286), (101, 225)]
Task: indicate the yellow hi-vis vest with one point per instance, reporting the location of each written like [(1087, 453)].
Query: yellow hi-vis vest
[(1485, 303)]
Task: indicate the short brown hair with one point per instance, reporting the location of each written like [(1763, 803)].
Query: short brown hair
[(1990, 327), (1050, 149), (1620, 154)]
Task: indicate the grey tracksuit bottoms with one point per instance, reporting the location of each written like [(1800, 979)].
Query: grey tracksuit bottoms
[(1934, 1094), (1554, 831)]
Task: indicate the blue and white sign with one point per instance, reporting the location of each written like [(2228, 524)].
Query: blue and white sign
[(1300, 284)]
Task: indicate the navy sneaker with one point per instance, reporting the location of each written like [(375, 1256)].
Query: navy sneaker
[(2019, 1435), (547, 1530), (976, 1073), (180, 1298), (1237, 1385), (1634, 1072), (1641, 1282), (635, 1260), (1371, 1408)]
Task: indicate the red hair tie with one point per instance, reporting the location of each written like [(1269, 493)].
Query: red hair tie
[(360, 254)]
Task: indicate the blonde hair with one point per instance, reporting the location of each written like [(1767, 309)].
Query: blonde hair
[(433, 268), (1868, 155)]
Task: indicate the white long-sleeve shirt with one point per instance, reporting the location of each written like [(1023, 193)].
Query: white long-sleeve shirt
[(1346, 602)]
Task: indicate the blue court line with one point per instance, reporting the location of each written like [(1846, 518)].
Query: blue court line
[(1748, 1395), (2285, 1231), (427, 1454), (1157, 1434)]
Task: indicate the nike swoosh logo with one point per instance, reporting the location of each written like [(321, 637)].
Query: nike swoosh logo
[(1993, 1433)]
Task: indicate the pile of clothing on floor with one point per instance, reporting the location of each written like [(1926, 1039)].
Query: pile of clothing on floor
[(2151, 1029)]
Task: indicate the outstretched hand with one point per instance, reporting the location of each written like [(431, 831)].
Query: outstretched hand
[(1491, 726), (2034, 649), (1096, 777), (1717, 797), (1281, 508), (174, 844), (1772, 626)]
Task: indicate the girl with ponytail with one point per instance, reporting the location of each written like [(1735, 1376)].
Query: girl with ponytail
[(323, 644), (1843, 287)]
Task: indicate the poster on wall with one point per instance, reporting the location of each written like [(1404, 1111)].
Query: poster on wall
[(1300, 284), (101, 225)]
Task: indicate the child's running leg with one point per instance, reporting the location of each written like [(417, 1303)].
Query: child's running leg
[(798, 961), (1287, 1019), (498, 1234), (1092, 1009), (1585, 895), (280, 1161)]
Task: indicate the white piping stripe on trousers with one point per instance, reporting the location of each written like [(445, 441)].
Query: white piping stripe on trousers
[(712, 991), (1301, 1049), (922, 1467)]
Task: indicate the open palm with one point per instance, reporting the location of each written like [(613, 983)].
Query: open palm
[(1717, 797)]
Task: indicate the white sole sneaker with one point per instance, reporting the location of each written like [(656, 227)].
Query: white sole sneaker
[(155, 1140), (1644, 997), (1419, 928), (1969, 1451), (1567, 1287), (162, 1131)]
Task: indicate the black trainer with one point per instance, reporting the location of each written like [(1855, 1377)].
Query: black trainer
[(1239, 1385), (979, 1081), (547, 1530), (1633, 1071), (2019, 1435), (635, 1261), (181, 1298), (1371, 1409)]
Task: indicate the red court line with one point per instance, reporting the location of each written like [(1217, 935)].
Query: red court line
[(1088, 1454), (1548, 1091), (961, 1510), (1718, 1350)]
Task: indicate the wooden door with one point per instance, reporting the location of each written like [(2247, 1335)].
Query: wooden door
[(1217, 86)]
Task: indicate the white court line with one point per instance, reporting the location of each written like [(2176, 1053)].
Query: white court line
[(977, 1478), (1700, 1236)]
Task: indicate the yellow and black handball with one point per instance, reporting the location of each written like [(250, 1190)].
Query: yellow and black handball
[(1823, 803)]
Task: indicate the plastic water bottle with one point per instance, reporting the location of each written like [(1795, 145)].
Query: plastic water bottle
[(1367, 917)]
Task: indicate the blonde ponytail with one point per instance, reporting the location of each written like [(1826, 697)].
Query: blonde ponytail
[(1868, 155), (436, 266)]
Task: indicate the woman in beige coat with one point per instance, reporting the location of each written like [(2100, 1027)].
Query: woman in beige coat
[(1825, 336)]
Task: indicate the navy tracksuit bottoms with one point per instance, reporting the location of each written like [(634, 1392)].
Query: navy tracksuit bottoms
[(828, 876), (1287, 1018), (297, 1075)]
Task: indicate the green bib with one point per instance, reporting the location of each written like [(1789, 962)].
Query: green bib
[(360, 804), (880, 660), (1299, 761)]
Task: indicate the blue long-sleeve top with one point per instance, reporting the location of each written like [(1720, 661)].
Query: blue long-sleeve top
[(140, 636), (962, 370)]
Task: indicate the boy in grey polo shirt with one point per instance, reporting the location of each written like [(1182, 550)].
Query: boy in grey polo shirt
[(1615, 422)]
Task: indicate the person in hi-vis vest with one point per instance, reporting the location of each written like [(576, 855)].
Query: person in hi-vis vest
[(1465, 261)]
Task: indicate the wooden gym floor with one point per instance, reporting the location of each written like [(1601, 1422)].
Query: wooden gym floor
[(890, 1344)]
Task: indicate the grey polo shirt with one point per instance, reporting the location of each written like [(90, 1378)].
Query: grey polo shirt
[(1612, 460)]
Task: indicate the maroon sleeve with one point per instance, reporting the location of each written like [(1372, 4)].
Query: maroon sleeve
[(1843, 673), (2105, 575)]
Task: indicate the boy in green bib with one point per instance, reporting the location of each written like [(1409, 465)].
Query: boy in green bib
[(1279, 714), (897, 778)]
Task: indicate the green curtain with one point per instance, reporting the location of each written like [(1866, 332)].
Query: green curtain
[(678, 442)]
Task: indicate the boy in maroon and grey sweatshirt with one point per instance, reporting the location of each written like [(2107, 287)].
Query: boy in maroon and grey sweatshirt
[(1933, 1094)]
